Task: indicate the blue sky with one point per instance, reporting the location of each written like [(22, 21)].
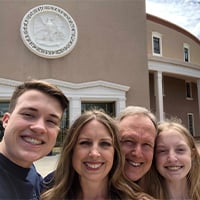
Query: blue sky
[(184, 13)]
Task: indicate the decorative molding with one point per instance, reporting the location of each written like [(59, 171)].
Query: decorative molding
[(173, 69), (88, 84), (8, 82), (77, 92), (49, 31)]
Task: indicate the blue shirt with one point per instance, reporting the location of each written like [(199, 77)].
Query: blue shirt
[(18, 183)]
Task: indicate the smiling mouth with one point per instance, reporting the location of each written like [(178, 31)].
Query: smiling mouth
[(94, 165), (135, 164), (173, 168), (31, 140)]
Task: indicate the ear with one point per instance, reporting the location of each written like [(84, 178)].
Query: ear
[(5, 119), (194, 152)]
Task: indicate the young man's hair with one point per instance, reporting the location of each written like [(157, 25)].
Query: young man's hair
[(39, 85)]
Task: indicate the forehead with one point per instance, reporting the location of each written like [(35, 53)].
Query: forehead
[(136, 120), (33, 95), (94, 129), (171, 137), (40, 101), (137, 124)]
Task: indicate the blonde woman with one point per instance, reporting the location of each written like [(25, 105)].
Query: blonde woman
[(91, 164)]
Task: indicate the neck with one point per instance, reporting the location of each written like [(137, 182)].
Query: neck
[(94, 191), (178, 190), (19, 162)]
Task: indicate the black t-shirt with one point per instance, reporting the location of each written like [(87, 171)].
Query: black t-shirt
[(18, 183)]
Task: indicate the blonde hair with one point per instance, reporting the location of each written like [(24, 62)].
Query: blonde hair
[(67, 186)]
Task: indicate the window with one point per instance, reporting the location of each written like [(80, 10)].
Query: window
[(63, 128), (186, 52), (156, 44), (3, 108), (1, 130), (190, 117), (108, 107), (188, 88)]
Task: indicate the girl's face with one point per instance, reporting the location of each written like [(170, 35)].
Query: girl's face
[(173, 155), (93, 153)]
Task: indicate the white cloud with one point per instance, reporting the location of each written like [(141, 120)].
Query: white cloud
[(184, 13)]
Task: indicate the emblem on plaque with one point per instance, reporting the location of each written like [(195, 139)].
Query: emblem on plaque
[(49, 31)]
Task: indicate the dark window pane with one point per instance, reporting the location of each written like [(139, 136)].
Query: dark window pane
[(63, 128), (188, 90), (156, 45), (190, 124), (108, 107), (186, 54), (3, 108)]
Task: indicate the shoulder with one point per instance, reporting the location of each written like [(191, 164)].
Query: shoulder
[(49, 177), (34, 175), (35, 179), (12, 187), (48, 181)]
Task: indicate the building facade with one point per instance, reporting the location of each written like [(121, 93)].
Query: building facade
[(122, 57), (174, 73)]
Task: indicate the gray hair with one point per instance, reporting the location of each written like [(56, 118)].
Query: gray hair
[(137, 110)]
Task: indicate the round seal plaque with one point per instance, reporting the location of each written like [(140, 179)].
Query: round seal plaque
[(49, 31)]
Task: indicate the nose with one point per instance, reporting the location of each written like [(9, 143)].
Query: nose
[(38, 126), (171, 156), (94, 152), (137, 150)]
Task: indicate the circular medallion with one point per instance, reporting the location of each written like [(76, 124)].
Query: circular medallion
[(49, 31)]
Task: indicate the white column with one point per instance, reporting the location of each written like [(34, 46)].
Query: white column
[(159, 95), (120, 105), (198, 91), (74, 109)]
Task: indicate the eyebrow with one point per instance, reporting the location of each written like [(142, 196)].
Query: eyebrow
[(88, 138), (160, 146), (127, 137), (110, 139), (36, 110)]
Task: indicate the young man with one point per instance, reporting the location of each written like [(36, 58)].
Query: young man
[(31, 128), (138, 131)]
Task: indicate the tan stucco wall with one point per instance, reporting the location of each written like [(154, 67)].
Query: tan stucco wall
[(111, 45), (172, 42)]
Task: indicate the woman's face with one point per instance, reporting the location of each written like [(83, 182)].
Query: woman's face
[(93, 153), (173, 155)]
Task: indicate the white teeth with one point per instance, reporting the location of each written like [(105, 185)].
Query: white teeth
[(173, 168), (135, 164), (32, 140), (93, 166)]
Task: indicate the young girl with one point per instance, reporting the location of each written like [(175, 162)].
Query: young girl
[(177, 162)]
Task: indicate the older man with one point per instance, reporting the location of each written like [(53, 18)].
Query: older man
[(138, 130)]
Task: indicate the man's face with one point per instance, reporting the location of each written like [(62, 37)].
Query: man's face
[(32, 128), (137, 136)]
